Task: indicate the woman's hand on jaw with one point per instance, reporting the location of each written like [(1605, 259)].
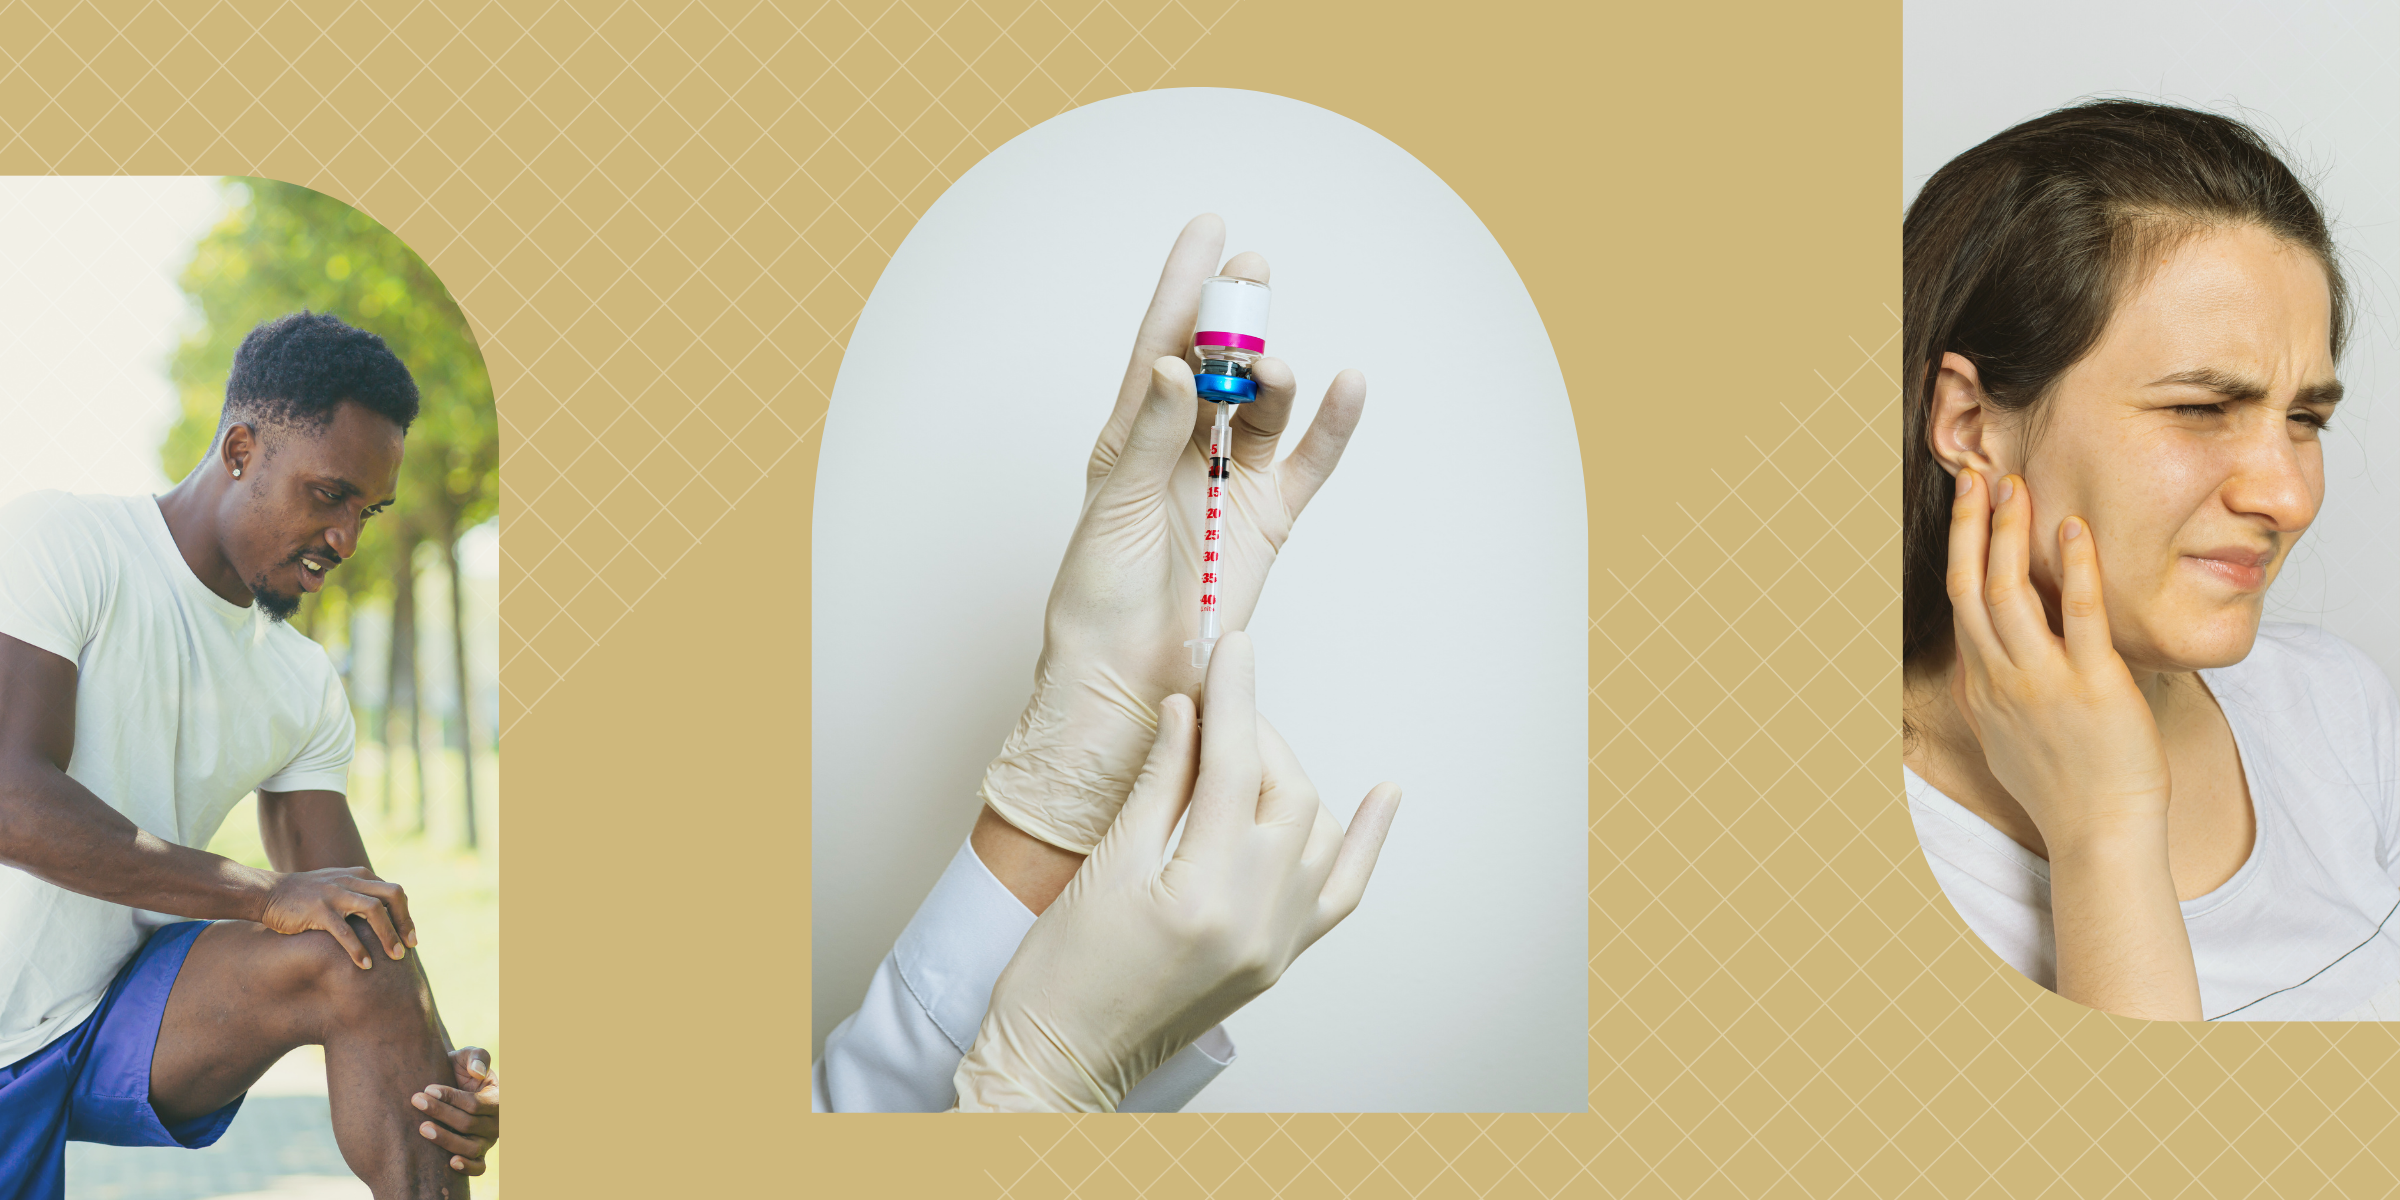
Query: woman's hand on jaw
[(2062, 724), (2067, 731), (1128, 593)]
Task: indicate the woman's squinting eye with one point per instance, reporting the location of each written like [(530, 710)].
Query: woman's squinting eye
[(2313, 421)]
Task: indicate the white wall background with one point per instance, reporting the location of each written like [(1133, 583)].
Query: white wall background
[(2322, 80), (1426, 622)]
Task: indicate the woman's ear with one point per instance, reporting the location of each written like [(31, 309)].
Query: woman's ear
[(1963, 428)]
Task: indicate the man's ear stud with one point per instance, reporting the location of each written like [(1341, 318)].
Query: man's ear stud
[(237, 472)]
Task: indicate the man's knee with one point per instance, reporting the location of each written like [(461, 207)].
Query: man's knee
[(316, 963)]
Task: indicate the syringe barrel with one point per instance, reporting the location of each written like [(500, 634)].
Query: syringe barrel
[(1230, 336)]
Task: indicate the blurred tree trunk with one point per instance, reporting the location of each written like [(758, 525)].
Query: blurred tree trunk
[(458, 672), (389, 712), (400, 685), (347, 666), (370, 718)]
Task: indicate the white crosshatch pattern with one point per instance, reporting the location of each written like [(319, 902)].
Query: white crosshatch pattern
[(663, 218)]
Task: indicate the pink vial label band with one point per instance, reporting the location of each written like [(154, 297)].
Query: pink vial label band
[(1239, 341)]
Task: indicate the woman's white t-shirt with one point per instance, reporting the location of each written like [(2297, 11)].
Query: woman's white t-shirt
[(184, 703), (2309, 928)]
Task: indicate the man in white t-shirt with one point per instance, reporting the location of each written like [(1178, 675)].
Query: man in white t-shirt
[(148, 683)]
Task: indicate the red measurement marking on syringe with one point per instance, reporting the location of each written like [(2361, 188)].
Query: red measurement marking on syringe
[(1213, 491), (1213, 514), (1209, 556), (1208, 577)]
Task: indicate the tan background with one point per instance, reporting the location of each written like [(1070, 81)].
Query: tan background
[(663, 220)]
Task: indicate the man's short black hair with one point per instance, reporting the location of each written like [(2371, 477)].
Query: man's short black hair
[(295, 370)]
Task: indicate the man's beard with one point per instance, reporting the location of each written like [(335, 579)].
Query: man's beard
[(279, 606)]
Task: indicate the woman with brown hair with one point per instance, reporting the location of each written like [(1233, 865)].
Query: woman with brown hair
[(2121, 326)]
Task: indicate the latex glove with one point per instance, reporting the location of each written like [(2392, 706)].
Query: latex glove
[(2068, 732), (1127, 596), (1143, 952)]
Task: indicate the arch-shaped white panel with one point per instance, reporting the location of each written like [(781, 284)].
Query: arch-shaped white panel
[(1427, 622)]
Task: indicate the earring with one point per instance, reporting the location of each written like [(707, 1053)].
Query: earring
[(237, 472)]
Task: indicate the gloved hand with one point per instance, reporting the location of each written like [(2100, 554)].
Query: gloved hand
[(1127, 596), (1144, 952)]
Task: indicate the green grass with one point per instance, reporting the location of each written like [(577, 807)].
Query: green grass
[(453, 893)]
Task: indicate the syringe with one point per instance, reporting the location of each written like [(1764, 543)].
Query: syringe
[(1220, 445), (1230, 337)]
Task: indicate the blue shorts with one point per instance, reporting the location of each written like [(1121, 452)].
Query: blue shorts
[(93, 1085)]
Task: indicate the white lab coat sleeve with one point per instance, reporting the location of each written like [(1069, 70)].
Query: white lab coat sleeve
[(898, 1052)]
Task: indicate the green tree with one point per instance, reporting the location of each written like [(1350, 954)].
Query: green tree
[(284, 248)]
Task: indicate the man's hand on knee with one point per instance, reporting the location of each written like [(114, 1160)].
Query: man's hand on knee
[(466, 1118), (327, 899)]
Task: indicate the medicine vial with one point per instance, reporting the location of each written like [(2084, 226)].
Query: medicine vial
[(1230, 337)]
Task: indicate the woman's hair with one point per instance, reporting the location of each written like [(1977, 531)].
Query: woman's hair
[(2016, 252)]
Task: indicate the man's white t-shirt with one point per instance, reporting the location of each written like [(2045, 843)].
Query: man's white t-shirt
[(2309, 928), (184, 703)]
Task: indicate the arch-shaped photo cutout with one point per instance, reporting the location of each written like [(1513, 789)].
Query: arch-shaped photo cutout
[(122, 303), (1426, 622)]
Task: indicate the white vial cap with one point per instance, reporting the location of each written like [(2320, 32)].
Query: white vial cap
[(1236, 306)]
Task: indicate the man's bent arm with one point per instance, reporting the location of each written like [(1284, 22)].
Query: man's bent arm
[(310, 831), (56, 830)]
